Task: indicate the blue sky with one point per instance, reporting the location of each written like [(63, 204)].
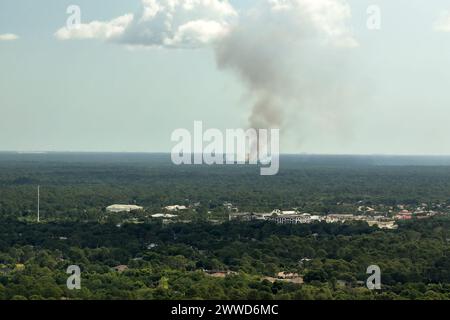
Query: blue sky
[(93, 95)]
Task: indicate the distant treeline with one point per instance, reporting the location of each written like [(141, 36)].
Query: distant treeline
[(72, 184)]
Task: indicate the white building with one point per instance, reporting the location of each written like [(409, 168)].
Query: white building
[(261, 216), (123, 208), (162, 215), (175, 208), (383, 224), (333, 218), (290, 219), (284, 212)]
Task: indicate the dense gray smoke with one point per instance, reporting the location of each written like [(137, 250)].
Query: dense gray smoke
[(286, 53)]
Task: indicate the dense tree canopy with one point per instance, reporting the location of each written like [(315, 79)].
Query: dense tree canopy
[(132, 256)]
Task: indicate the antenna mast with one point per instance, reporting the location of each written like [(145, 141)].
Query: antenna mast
[(38, 204)]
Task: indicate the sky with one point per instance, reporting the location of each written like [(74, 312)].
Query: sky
[(310, 67)]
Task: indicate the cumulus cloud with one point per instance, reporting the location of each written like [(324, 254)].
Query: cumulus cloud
[(162, 23), (442, 24), (96, 29), (197, 23), (180, 23), (8, 37), (327, 17)]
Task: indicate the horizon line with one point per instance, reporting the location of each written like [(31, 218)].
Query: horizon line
[(168, 153)]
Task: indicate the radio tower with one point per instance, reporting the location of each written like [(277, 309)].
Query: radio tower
[(38, 196)]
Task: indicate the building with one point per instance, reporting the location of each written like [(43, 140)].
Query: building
[(333, 218), (240, 216), (290, 219), (219, 273), (121, 268), (123, 208), (285, 277), (383, 224), (261, 216), (247, 216), (166, 216), (403, 217), (230, 207), (284, 212), (175, 208)]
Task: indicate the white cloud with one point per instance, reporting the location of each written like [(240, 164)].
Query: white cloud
[(162, 23), (196, 33), (328, 17), (180, 23), (442, 24), (96, 29), (197, 23), (8, 37)]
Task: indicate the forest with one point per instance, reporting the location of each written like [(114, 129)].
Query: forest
[(121, 258)]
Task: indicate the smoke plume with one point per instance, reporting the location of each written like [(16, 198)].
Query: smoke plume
[(286, 53)]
